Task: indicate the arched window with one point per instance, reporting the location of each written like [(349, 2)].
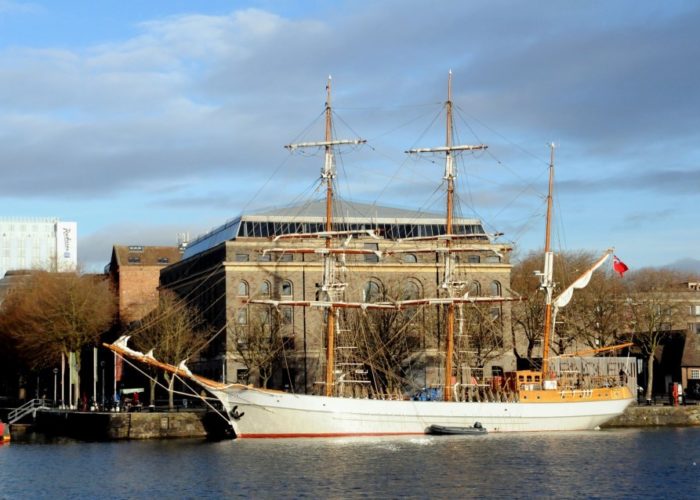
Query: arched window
[(243, 289), (242, 317), (410, 291), (495, 289), (265, 288), (286, 289), (475, 289), (410, 258), (372, 291)]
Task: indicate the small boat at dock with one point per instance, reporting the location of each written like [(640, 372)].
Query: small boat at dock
[(444, 430)]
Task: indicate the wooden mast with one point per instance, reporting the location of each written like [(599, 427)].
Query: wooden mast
[(449, 175), (448, 282), (547, 282), (329, 285), (328, 175)]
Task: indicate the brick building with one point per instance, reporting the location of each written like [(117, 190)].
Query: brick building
[(135, 273), (690, 362), (221, 270)]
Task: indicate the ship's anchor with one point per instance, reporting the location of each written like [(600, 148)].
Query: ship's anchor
[(235, 414)]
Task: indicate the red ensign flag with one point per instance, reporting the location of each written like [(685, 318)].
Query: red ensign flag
[(619, 266)]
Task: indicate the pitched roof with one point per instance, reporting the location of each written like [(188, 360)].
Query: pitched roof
[(140, 255)]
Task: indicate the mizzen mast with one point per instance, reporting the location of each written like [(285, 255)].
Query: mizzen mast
[(547, 276), (448, 281)]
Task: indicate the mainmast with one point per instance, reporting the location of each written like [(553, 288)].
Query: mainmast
[(546, 278), (448, 282), (330, 285)]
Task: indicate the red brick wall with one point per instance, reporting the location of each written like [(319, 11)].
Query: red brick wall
[(138, 291)]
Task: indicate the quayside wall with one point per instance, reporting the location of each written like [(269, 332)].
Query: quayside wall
[(657, 416), (136, 425)]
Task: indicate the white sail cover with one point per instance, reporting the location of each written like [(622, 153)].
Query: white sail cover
[(581, 282)]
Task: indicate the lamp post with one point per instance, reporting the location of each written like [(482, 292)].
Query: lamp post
[(55, 373), (102, 365)]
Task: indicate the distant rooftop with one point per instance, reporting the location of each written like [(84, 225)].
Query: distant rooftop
[(143, 255), (393, 223)]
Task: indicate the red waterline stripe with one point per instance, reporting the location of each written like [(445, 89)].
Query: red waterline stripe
[(328, 434)]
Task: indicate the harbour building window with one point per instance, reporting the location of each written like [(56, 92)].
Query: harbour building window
[(242, 316), (287, 315), (410, 258), (372, 292), (495, 289), (265, 288), (286, 289), (411, 290), (243, 289), (370, 257)]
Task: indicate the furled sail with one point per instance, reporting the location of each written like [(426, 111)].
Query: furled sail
[(581, 282)]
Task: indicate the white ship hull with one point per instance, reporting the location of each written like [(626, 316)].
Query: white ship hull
[(269, 414)]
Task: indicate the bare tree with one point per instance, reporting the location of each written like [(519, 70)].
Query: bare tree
[(54, 314), (528, 315), (482, 328), (174, 331), (654, 311), (257, 335), (596, 315)]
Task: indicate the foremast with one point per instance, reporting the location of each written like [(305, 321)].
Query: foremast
[(331, 286), (449, 284)]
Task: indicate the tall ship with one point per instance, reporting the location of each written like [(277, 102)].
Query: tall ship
[(542, 399)]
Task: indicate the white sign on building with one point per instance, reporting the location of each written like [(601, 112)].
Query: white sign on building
[(66, 246)]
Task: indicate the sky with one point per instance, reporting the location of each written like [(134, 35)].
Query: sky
[(142, 120)]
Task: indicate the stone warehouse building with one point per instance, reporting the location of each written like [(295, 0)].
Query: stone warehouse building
[(223, 269)]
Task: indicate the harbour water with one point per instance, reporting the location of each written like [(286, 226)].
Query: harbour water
[(613, 463)]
